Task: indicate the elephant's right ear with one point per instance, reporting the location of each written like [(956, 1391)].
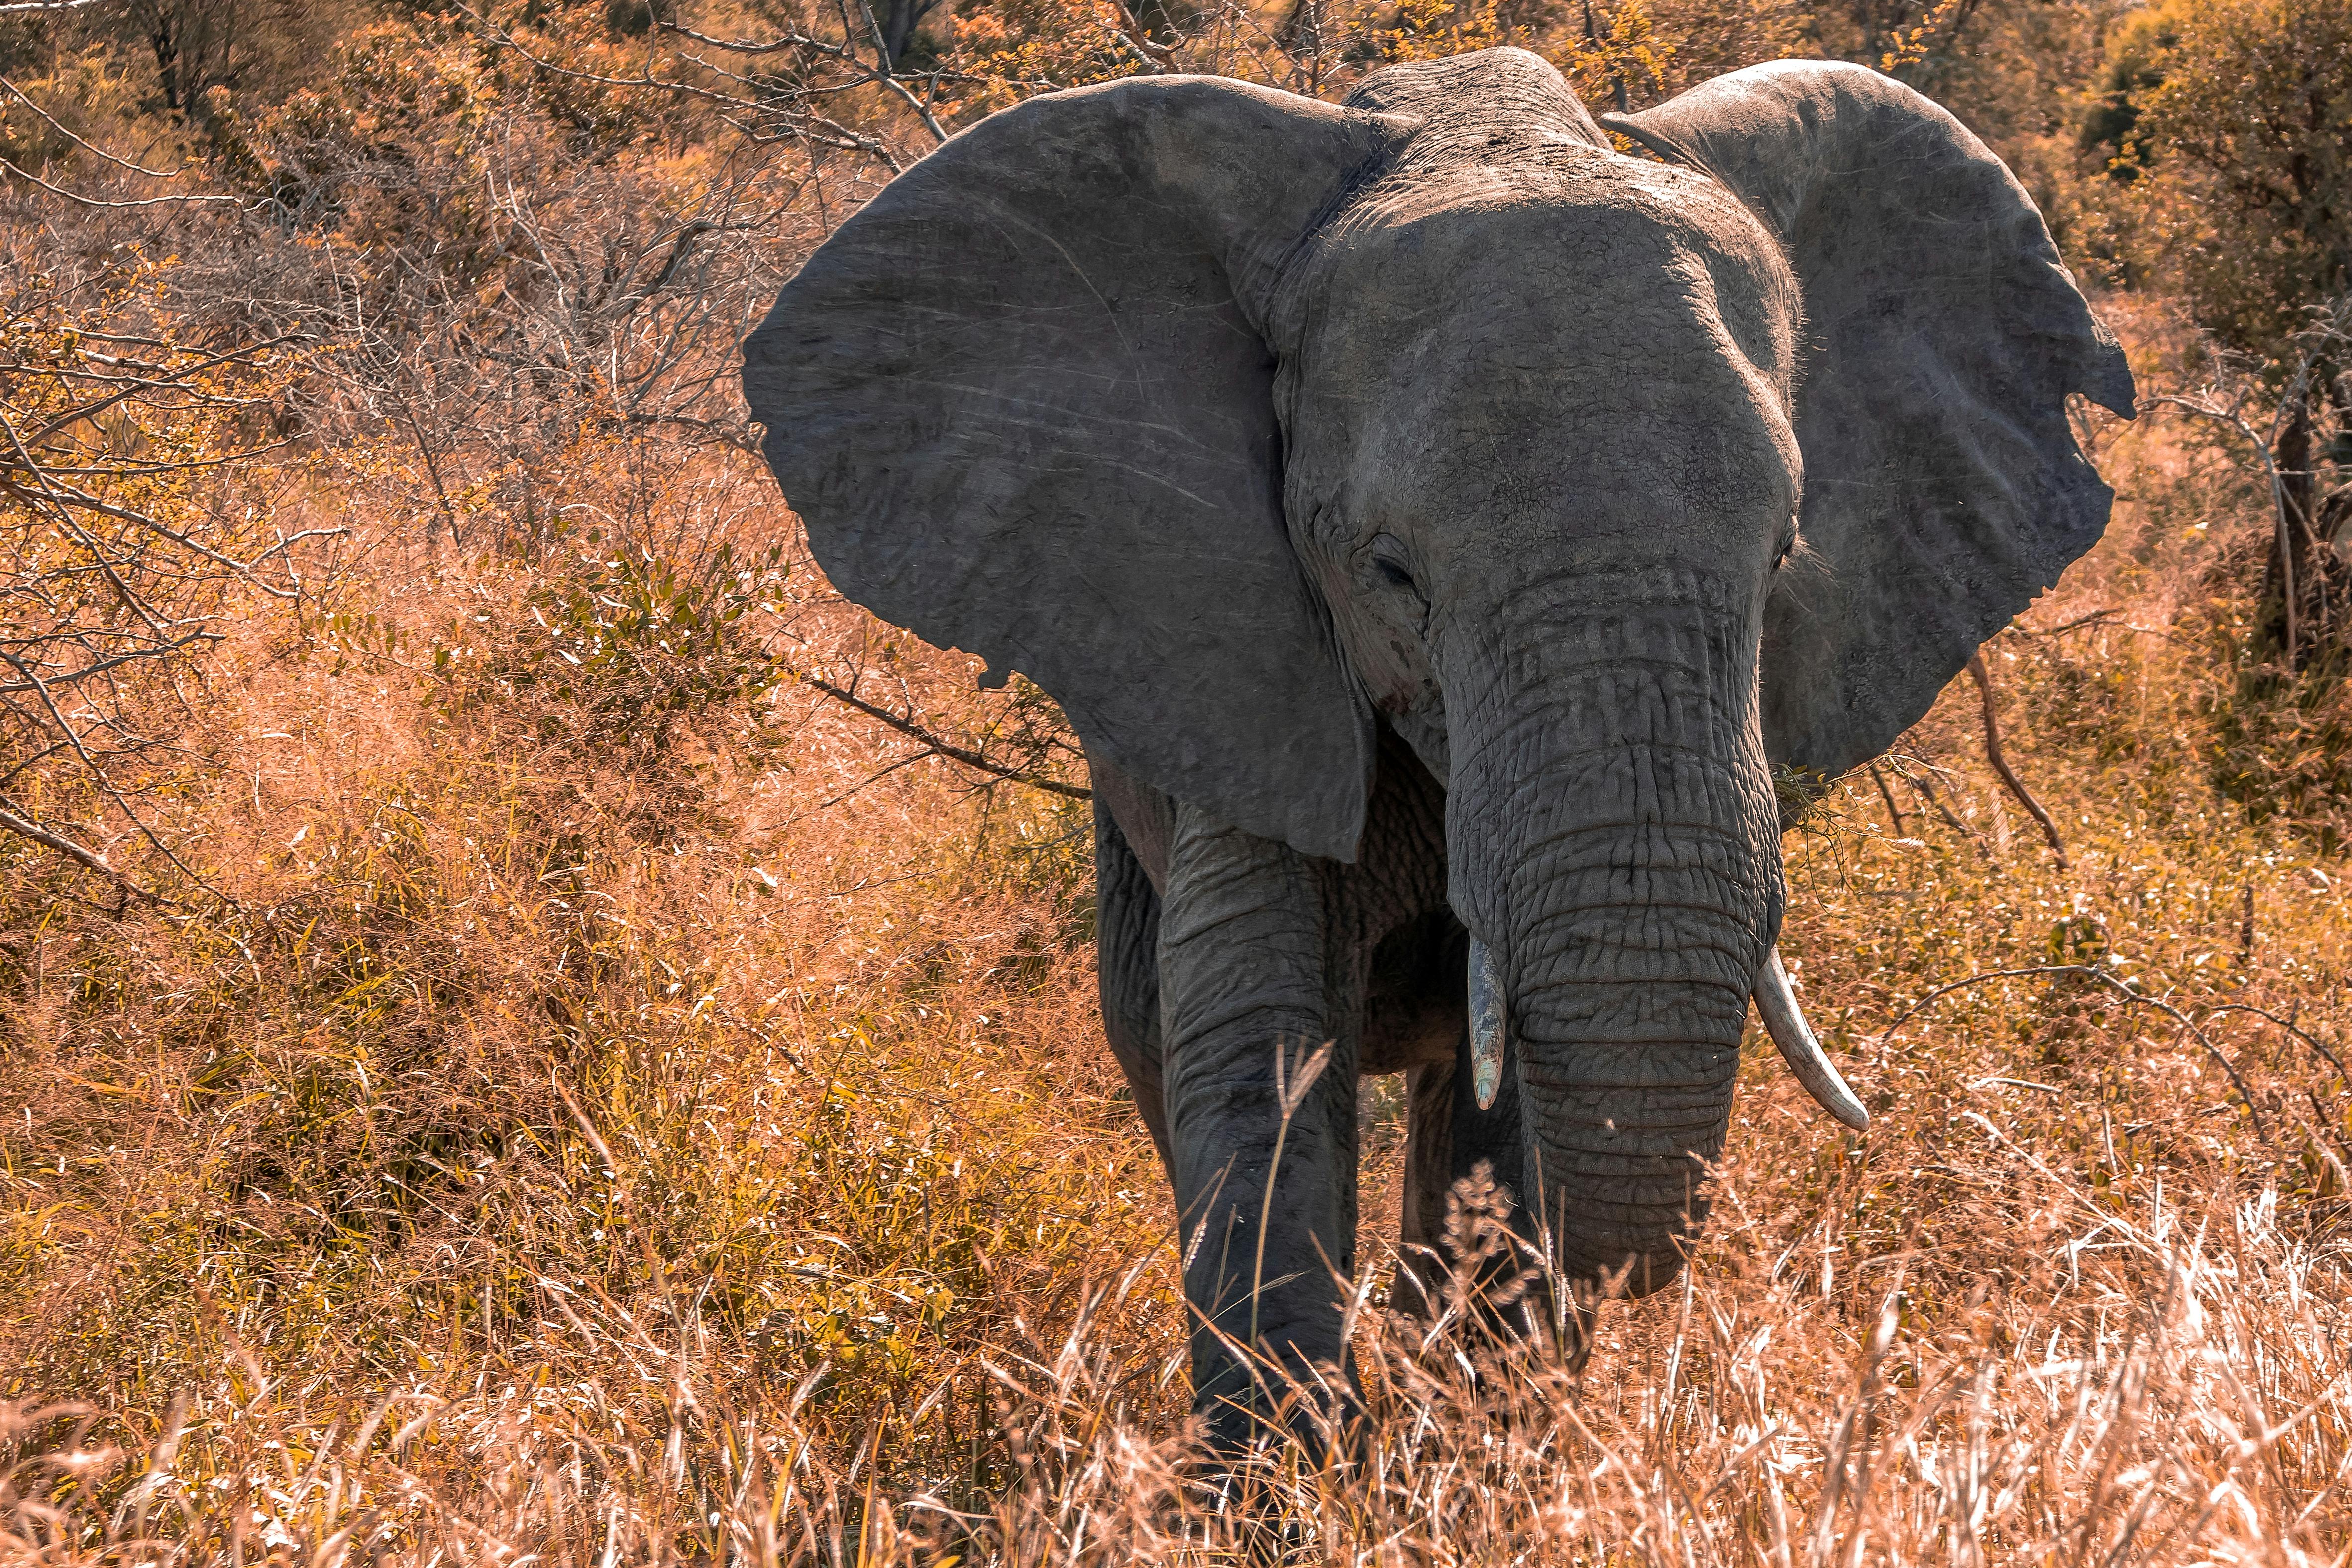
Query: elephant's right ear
[(1943, 486), (1023, 405)]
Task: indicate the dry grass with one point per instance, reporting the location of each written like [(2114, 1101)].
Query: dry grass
[(622, 1118)]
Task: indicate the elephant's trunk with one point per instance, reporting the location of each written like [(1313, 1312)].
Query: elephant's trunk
[(1613, 845)]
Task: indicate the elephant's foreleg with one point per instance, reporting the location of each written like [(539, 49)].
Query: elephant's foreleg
[(1266, 1199), (1428, 1177), (1127, 927)]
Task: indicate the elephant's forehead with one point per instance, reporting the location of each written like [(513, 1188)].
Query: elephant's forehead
[(1454, 172), (1547, 192), (1551, 243), (1576, 323)]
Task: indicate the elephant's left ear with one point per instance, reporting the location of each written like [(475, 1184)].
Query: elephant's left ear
[(1943, 486)]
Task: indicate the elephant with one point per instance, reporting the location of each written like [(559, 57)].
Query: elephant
[(1461, 541)]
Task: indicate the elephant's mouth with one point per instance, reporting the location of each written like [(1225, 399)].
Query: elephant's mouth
[(1775, 1003)]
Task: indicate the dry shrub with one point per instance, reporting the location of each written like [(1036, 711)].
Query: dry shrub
[(543, 972), (2170, 1393)]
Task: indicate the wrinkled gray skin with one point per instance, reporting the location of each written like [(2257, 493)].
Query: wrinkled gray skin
[(1399, 498)]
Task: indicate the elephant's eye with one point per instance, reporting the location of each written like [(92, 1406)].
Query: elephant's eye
[(1388, 559), (1788, 545)]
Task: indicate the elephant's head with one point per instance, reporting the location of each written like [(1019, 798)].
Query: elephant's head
[(1240, 422)]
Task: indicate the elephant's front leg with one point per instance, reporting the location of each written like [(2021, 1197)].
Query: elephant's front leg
[(1268, 1200)]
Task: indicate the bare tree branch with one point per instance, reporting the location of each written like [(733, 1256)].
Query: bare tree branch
[(89, 859), (941, 747), (182, 199), (99, 152)]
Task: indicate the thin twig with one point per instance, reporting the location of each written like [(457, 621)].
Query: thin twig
[(2001, 760), (1893, 811), (2311, 1040), (1927, 793), (2115, 982), (2064, 626)]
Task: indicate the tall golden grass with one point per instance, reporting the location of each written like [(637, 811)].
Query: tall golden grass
[(624, 1110)]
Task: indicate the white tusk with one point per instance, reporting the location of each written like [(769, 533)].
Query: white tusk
[(1776, 1002), (1485, 1025)]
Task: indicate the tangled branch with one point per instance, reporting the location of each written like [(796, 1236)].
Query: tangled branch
[(115, 554)]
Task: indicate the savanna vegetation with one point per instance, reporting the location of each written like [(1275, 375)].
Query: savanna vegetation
[(532, 1032)]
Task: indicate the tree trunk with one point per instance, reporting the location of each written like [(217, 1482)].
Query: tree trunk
[(2302, 624)]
